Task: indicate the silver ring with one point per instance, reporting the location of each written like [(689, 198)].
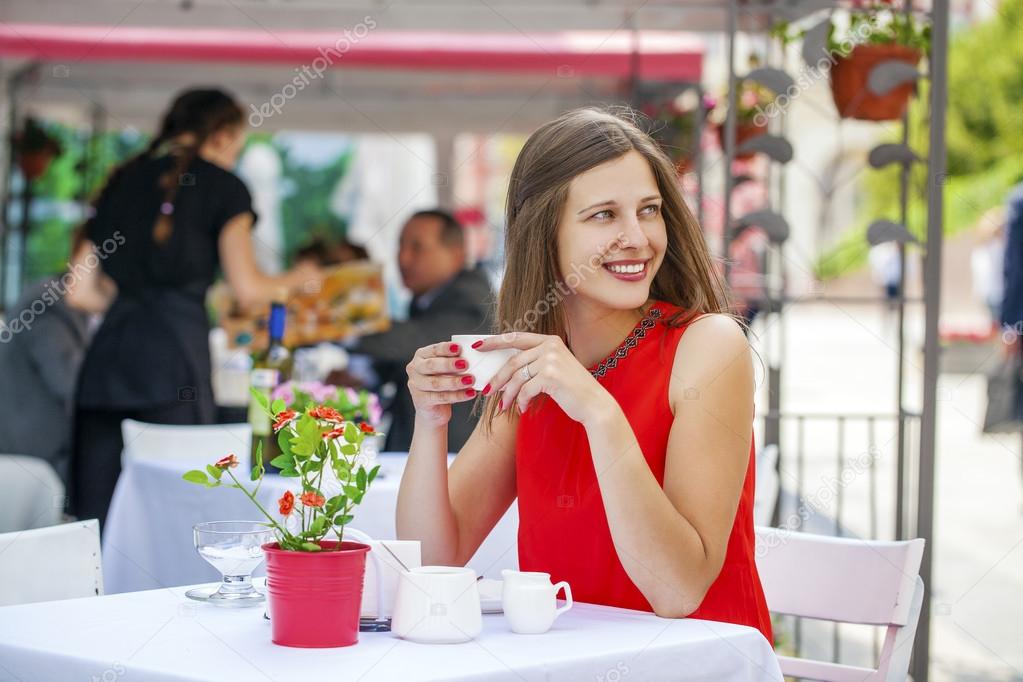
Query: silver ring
[(525, 373)]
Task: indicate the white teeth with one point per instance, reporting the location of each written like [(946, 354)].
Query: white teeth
[(634, 269)]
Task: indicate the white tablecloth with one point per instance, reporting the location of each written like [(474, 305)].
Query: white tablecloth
[(147, 540), (160, 635)]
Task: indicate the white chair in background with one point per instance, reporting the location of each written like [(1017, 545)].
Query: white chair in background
[(31, 493), (848, 581), (166, 441), (45, 564), (765, 496)]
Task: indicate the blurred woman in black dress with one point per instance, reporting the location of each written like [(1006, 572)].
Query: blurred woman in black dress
[(163, 225)]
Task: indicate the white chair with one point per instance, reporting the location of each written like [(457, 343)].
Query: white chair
[(31, 493), (166, 441), (765, 497), (847, 581), (45, 564)]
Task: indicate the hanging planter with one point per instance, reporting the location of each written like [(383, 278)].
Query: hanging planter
[(34, 150), (744, 130), (871, 35), (853, 97)]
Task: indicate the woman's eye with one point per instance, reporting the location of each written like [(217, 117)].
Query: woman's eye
[(652, 209), (603, 215)]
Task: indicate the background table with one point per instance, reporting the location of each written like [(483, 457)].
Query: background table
[(160, 635), (147, 540)]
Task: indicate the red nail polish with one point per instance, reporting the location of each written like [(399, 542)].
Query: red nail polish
[(477, 344), (500, 405), (461, 364), (454, 348), (467, 380), (486, 389), (470, 392)]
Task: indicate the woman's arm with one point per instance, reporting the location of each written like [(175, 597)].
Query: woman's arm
[(672, 541), (250, 285), (451, 511)]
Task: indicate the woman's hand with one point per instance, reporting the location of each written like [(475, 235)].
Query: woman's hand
[(436, 379), (546, 365)]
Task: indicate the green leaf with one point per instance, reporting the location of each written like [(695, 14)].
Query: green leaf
[(311, 547), (360, 479), (352, 432), (334, 504), (257, 468), (196, 476), (283, 462), (349, 449), (373, 472), (309, 437), (215, 472), (278, 406), (261, 398), (289, 473), (319, 523), (342, 520)]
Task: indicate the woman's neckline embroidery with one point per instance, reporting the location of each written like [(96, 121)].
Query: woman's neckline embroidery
[(631, 341)]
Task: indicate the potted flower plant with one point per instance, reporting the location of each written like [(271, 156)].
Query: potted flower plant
[(35, 149), (874, 33), (678, 126), (314, 585), (752, 99), (358, 406)]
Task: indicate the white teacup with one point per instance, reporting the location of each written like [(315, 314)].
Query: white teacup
[(530, 601), (437, 605), (381, 581), (483, 365)]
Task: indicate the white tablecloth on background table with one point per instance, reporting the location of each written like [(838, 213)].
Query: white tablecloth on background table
[(160, 635), (147, 539)]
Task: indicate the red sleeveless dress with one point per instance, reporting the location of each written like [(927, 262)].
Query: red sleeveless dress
[(563, 528)]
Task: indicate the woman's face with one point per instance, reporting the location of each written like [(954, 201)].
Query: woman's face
[(611, 238)]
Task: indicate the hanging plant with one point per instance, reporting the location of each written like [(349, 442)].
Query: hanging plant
[(34, 149), (677, 126), (752, 101), (873, 34)]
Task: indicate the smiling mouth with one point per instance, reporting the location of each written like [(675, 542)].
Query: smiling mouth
[(628, 270)]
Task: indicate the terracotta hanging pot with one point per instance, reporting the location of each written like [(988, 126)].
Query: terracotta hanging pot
[(34, 164), (744, 130), (849, 75)]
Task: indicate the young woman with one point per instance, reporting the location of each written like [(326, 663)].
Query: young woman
[(624, 425), (162, 226)]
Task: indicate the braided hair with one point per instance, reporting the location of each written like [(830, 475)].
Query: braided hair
[(199, 112)]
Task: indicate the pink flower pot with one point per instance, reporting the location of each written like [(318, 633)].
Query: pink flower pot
[(315, 597)]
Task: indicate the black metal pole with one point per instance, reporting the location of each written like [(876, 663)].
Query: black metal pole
[(932, 307)]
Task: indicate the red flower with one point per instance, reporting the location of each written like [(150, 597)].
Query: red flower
[(283, 419), (229, 462), (324, 412), (336, 433), (286, 503), (366, 428), (311, 499)]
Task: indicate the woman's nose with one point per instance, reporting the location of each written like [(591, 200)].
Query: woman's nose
[(632, 235)]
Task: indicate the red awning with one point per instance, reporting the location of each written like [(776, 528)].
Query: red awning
[(662, 55)]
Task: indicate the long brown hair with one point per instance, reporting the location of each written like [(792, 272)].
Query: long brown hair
[(553, 155), (200, 112)]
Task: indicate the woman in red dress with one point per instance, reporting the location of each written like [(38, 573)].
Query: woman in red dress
[(624, 425)]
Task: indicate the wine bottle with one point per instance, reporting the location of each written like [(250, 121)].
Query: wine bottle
[(270, 368)]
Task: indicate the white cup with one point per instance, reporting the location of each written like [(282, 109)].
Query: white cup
[(530, 601), (437, 605), (483, 365)]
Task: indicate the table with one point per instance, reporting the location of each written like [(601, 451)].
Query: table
[(147, 539), (159, 635)]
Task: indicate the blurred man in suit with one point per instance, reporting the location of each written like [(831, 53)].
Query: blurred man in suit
[(446, 299)]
